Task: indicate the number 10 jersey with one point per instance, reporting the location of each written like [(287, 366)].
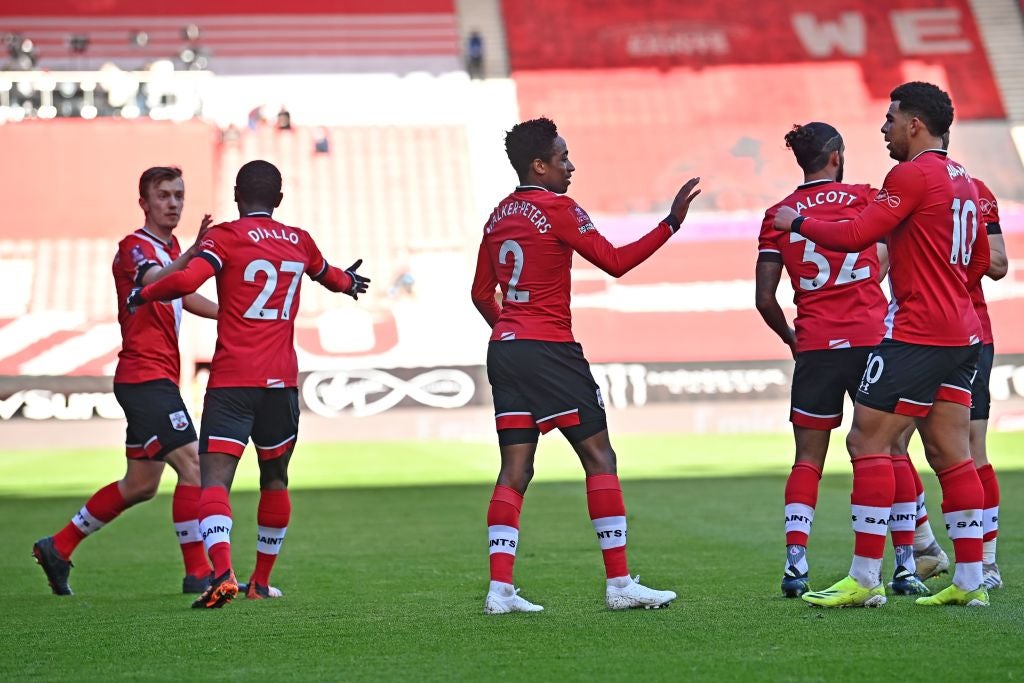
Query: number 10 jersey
[(839, 302)]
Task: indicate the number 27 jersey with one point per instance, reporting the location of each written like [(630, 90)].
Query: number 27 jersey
[(839, 302), (259, 265)]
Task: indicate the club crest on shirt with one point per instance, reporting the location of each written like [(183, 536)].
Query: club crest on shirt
[(179, 420)]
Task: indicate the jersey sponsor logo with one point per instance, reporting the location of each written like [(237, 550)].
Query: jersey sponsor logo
[(988, 205), (892, 200), (208, 243), (179, 420)]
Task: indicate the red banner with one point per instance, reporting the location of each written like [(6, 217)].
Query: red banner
[(882, 38)]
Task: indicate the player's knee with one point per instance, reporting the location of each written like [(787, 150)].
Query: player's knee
[(135, 492), (857, 442)]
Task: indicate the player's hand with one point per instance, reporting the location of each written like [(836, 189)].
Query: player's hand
[(784, 218), (204, 227), (681, 204), (134, 300), (360, 283)]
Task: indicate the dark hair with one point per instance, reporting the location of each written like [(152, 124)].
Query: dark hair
[(529, 140), (927, 102), (258, 182), (812, 144), (155, 175)]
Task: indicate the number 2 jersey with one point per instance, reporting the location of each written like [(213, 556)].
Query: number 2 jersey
[(149, 337), (259, 265), (839, 303), (927, 211), (527, 250)]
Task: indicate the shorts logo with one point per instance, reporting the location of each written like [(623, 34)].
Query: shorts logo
[(872, 372), (179, 420), (600, 399)]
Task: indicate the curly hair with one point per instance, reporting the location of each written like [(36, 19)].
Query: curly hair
[(927, 102), (258, 182), (156, 175), (529, 140), (812, 144)]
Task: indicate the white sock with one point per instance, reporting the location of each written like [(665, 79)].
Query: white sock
[(501, 588), (967, 575), (923, 536), (905, 558), (867, 571), (620, 581), (988, 552)]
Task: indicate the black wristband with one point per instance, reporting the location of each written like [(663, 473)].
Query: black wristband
[(797, 222), (673, 223)]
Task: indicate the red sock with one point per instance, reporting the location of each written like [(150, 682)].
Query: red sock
[(963, 499), (874, 487), (608, 513), (503, 531), (801, 499), (185, 513), (215, 524), (991, 486), (272, 515), (101, 509), (903, 517)]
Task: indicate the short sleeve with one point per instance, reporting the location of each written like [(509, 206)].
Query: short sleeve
[(316, 265), (214, 247), (768, 240), (136, 256)]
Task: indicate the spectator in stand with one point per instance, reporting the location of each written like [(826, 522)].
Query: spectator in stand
[(475, 55)]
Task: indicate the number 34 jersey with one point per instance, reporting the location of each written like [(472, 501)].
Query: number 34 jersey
[(839, 303), (259, 265), (527, 250)]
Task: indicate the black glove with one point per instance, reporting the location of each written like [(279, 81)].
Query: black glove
[(359, 282), (134, 300)]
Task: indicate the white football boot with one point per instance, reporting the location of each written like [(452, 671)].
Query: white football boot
[(634, 595), (931, 561), (501, 601)]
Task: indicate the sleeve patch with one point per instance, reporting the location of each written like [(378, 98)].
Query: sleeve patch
[(138, 258), (888, 198)]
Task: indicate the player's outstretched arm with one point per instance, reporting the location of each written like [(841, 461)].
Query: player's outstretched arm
[(197, 304), (346, 281), (617, 261), (1000, 265), (174, 286), (482, 292), (767, 277), (156, 272)]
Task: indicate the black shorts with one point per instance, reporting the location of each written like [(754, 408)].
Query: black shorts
[(981, 399), (158, 421), (540, 385), (820, 380), (233, 414), (907, 379)]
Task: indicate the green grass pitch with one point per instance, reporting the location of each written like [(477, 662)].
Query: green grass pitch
[(385, 567)]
